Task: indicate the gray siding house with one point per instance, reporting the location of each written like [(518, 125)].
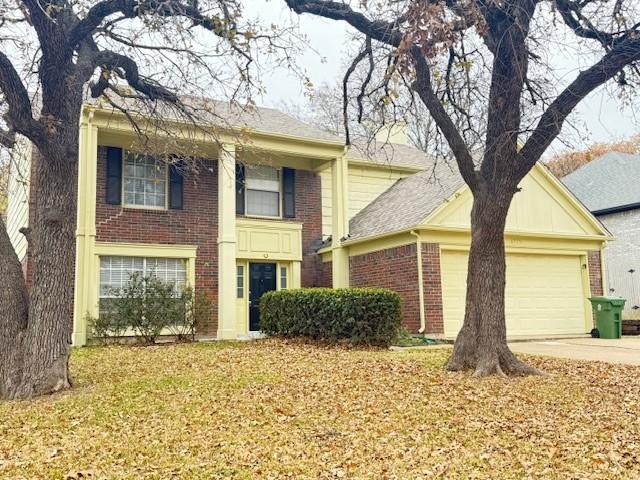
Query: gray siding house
[(609, 187)]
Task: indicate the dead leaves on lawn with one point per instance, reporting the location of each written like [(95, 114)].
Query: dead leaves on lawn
[(273, 409)]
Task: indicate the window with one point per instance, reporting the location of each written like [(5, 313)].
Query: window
[(283, 278), (145, 181), (115, 272), (240, 281), (263, 191)]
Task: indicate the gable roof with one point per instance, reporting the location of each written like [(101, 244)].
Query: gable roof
[(407, 202), (608, 183)]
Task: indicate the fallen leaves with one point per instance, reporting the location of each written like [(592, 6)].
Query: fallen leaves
[(273, 409)]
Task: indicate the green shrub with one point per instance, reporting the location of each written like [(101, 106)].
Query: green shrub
[(360, 315), (146, 306)]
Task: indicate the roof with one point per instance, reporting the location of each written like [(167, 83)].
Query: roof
[(273, 121), (407, 202), (387, 154), (608, 183), (229, 114)]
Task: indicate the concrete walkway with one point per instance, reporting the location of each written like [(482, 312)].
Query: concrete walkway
[(625, 350)]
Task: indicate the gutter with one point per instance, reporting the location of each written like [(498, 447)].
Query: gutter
[(618, 209), (420, 282)]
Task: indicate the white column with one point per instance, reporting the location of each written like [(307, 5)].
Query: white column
[(340, 222), (227, 242)]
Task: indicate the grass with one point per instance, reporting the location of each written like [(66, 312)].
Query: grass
[(270, 409)]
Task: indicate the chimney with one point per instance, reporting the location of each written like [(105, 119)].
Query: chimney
[(395, 132)]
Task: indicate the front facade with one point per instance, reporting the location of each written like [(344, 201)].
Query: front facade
[(249, 220), (260, 209)]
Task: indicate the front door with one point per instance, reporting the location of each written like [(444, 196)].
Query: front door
[(262, 278)]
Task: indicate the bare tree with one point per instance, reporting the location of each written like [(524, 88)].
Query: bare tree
[(135, 55), (526, 106), (564, 163)]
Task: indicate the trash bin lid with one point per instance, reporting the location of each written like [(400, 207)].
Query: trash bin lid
[(614, 301)]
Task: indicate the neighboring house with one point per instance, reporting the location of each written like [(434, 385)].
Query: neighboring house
[(271, 210), (609, 187)]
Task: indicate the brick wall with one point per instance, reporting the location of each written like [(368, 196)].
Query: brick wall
[(623, 255), (197, 224), (595, 273), (325, 274), (432, 287), (393, 268)]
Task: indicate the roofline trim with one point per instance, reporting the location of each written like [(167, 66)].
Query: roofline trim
[(618, 209), (88, 107), (442, 228), (413, 168)]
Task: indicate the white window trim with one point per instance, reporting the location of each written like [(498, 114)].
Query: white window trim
[(143, 207), (280, 188)]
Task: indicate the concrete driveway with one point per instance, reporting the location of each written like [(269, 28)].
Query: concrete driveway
[(625, 350)]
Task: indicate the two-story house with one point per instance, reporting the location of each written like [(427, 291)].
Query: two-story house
[(276, 204), (268, 192)]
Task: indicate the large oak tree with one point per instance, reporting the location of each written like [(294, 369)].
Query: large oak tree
[(507, 42), (137, 56)]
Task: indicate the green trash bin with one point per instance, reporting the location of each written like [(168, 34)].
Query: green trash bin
[(608, 313)]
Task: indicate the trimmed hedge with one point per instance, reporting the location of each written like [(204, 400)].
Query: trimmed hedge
[(360, 315)]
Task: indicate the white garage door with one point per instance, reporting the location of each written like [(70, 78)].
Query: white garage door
[(544, 295)]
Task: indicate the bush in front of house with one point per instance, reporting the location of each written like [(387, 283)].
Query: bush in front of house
[(147, 306), (368, 316)]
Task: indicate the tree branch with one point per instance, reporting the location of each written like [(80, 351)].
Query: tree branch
[(388, 33), (19, 115), (110, 61), (424, 88), (222, 27), (548, 128), (385, 32)]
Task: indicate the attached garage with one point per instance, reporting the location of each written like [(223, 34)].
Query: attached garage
[(415, 239), (545, 294)]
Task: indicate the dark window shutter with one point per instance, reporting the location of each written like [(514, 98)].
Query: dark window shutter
[(239, 189), (288, 193), (176, 187), (114, 176)]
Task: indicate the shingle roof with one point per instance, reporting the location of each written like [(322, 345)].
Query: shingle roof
[(608, 182), (270, 120), (407, 202), (228, 114), (386, 154)]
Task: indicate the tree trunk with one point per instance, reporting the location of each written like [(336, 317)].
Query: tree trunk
[(14, 307), (36, 342), (481, 344)]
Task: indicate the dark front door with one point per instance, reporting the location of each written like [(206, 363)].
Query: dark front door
[(262, 278)]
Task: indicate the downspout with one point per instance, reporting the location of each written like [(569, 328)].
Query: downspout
[(420, 283)]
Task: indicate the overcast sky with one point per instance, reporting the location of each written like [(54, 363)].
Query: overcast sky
[(603, 114)]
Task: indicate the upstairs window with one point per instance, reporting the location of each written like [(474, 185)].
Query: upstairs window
[(144, 181), (262, 191)]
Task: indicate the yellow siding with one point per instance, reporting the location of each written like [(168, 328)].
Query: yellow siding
[(554, 212), (268, 240), (365, 185), (18, 196)]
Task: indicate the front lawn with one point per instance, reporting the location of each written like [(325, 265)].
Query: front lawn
[(269, 409)]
